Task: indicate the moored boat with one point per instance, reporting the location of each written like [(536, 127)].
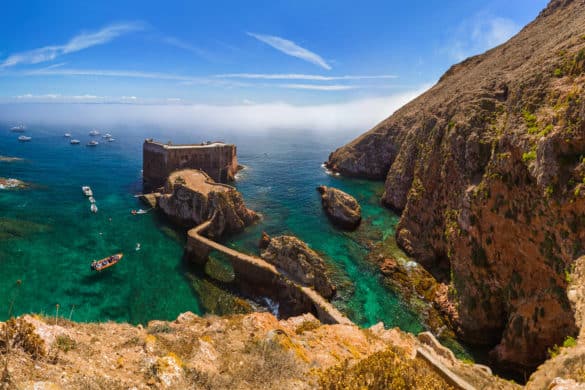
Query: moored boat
[(100, 265), (93, 208), (67, 135), (87, 191), (91, 199), (24, 138), (92, 143), (18, 129), (93, 133), (74, 142)]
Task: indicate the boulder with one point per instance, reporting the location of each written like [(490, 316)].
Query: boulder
[(343, 210), (299, 262)]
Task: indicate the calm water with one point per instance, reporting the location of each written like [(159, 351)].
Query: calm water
[(48, 234)]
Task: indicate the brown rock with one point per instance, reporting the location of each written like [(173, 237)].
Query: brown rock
[(341, 208), (264, 241), (486, 169), (190, 197), (300, 263)]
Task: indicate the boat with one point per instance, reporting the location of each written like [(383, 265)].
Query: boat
[(24, 138), (74, 142), (91, 199), (18, 129), (92, 143), (87, 191), (93, 208), (106, 262), (106, 136), (93, 133), (67, 135), (137, 246), (111, 139)]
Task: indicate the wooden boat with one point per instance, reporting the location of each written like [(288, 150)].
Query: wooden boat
[(106, 262)]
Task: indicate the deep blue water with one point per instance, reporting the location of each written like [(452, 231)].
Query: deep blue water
[(48, 235)]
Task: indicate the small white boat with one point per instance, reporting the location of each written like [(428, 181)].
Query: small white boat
[(18, 129), (137, 246), (91, 199), (111, 139), (93, 208), (67, 135), (93, 133), (106, 136), (24, 138), (74, 142), (87, 191), (92, 143)]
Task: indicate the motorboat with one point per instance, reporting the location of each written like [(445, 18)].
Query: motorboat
[(91, 199), (24, 138), (111, 139), (106, 262), (92, 143), (67, 135), (106, 136), (93, 133), (87, 191), (74, 142), (93, 208), (18, 129)]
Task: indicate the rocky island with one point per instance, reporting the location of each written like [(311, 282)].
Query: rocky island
[(342, 208), (487, 170), (12, 184)]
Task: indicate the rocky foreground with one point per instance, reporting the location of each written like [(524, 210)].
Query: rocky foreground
[(488, 171), (254, 351)]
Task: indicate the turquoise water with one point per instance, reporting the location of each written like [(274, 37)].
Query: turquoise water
[(48, 235)]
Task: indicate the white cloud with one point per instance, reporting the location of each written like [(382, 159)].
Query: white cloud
[(294, 76), (172, 41), (292, 49), (480, 33), (77, 43), (313, 87), (247, 118)]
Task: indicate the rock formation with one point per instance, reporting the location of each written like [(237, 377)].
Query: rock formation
[(488, 169), (343, 210), (12, 184), (299, 262), (190, 197), (254, 351)]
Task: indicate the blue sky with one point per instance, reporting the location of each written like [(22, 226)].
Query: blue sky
[(242, 53)]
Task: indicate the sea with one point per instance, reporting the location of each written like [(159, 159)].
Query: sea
[(49, 236)]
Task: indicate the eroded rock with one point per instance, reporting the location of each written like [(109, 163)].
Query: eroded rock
[(341, 208)]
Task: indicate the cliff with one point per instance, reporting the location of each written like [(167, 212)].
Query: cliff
[(190, 197), (488, 170), (254, 351)]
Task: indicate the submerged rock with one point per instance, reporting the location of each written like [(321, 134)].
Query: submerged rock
[(342, 208), (190, 197), (299, 262)]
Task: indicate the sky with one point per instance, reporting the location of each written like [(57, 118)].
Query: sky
[(356, 60)]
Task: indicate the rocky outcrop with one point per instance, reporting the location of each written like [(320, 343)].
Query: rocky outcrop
[(190, 197), (254, 351), (487, 168), (341, 208), (12, 184), (299, 262)]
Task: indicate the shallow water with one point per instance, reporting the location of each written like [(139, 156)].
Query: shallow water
[(52, 258)]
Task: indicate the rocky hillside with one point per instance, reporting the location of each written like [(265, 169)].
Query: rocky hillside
[(254, 351), (488, 170)]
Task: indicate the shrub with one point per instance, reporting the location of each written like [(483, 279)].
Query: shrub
[(159, 328), (18, 333), (558, 72), (389, 369), (65, 343), (529, 156)]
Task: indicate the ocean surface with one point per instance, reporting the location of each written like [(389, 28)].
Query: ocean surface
[(48, 236)]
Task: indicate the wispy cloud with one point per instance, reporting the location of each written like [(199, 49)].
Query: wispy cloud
[(292, 49), (202, 53), (314, 87), (293, 76), (480, 33), (77, 43)]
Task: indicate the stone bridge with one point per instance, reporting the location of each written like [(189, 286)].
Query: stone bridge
[(256, 276)]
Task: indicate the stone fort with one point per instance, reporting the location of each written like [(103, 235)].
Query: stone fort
[(159, 160)]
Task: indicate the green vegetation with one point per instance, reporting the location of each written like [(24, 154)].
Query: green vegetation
[(529, 156), (18, 333), (389, 369), (530, 121), (558, 72), (548, 191), (556, 350), (65, 343)]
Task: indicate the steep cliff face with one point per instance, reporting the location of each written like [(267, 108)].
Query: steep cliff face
[(488, 170), (190, 197)]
